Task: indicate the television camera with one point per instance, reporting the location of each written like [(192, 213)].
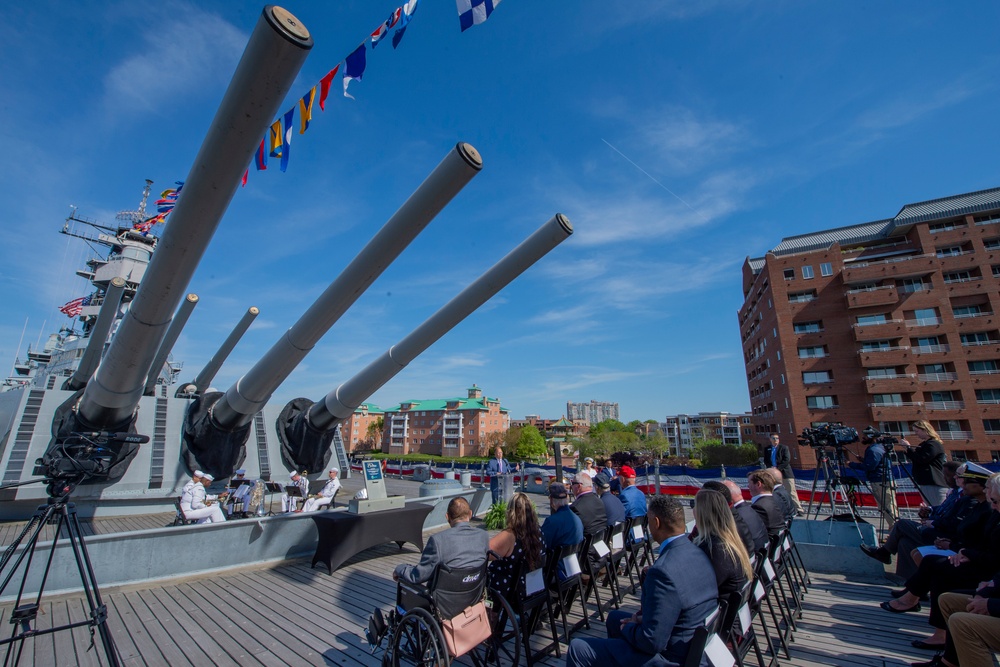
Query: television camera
[(830, 435), (82, 456), (871, 436)]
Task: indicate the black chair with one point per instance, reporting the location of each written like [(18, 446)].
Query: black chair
[(703, 634), (737, 627), (530, 607), (764, 595), (637, 549), (592, 562), (615, 533), (564, 582), (179, 518)]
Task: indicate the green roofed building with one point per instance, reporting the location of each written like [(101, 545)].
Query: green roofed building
[(444, 426)]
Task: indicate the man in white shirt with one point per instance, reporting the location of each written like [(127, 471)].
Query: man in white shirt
[(325, 496), (289, 503), (197, 505)]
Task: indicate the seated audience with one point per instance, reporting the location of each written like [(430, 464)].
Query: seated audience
[(631, 496), (326, 494), (562, 527), (196, 504), (742, 508), (782, 497), (761, 485), (613, 509), (588, 505), (289, 503), (461, 546), (520, 540), (973, 627), (974, 557), (742, 529), (717, 537), (678, 594)]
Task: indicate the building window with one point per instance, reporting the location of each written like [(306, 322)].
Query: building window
[(988, 395), (812, 352), (816, 377), (801, 297), (988, 367), (879, 318), (925, 316), (808, 327), (886, 372), (992, 426), (957, 277), (826, 269), (976, 338), (991, 244), (807, 272), (949, 251), (946, 226), (960, 455), (973, 310), (789, 274), (821, 402), (910, 285), (887, 399), (875, 345)]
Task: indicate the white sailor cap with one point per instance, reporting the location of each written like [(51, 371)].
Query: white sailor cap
[(208, 477), (198, 473), (241, 471), (335, 469)]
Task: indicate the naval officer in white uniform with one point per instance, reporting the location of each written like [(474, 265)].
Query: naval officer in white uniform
[(288, 503), (196, 504), (326, 495)]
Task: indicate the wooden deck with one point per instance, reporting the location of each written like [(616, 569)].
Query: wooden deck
[(290, 614)]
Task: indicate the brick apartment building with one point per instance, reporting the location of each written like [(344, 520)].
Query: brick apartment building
[(354, 431), (443, 426), (880, 324)]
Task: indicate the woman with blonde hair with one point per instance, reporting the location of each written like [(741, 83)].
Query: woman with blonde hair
[(928, 459), (718, 538), (520, 540)]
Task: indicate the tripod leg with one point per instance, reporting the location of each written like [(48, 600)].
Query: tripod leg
[(98, 610)]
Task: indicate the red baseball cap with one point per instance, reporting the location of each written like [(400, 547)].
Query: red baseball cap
[(627, 472)]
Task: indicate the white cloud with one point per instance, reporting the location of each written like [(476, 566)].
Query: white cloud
[(178, 56)]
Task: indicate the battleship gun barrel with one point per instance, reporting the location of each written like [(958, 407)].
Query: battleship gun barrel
[(272, 59), (245, 398), (341, 402), (98, 335), (173, 333), (208, 373)]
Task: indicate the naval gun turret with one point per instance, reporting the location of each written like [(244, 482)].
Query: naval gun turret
[(306, 429), (273, 56), (218, 424)]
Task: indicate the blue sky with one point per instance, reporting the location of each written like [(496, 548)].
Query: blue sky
[(678, 137)]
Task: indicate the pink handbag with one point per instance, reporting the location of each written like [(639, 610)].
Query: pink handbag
[(467, 630)]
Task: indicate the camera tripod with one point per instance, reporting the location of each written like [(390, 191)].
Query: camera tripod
[(833, 487), (60, 511)]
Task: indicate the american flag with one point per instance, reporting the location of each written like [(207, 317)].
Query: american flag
[(75, 307)]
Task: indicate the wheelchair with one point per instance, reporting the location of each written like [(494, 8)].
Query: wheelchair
[(413, 627)]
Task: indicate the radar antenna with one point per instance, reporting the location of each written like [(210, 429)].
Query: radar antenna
[(138, 215)]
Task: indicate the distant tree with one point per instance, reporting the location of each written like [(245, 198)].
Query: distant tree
[(713, 453), (510, 438), (374, 432), (657, 445), (608, 425), (530, 444), (491, 441)]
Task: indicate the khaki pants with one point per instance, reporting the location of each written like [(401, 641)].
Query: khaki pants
[(976, 636), (886, 492), (789, 485)]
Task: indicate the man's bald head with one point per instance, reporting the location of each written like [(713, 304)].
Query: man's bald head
[(776, 474), (735, 492)]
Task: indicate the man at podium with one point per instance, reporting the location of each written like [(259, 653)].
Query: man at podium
[(497, 466)]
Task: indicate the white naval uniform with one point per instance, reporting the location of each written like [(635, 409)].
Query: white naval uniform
[(325, 496), (196, 508), (289, 504), (240, 495)]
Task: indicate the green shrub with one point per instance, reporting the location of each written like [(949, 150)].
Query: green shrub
[(496, 517)]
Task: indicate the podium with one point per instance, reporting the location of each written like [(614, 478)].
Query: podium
[(506, 484)]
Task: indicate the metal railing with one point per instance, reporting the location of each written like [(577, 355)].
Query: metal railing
[(944, 405), (937, 377), (923, 322), (930, 349)]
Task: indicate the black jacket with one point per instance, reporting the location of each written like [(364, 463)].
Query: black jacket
[(769, 511), (784, 460), (591, 511), (752, 519), (928, 462)]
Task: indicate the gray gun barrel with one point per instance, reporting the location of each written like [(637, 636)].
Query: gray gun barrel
[(207, 374), (98, 335), (245, 398), (173, 333), (272, 59), (341, 402)]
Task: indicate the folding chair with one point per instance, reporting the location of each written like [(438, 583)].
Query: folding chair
[(615, 539), (594, 555), (737, 627), (530, 608), (563, 580), (703, 635)]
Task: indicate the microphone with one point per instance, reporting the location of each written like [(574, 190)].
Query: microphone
[(136, 438)]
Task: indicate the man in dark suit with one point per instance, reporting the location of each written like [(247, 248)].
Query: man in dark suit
[(678, 594), (743, 509), (778, 456), (461, 546), (761, 484), (498, 465), (588, 505), (613, 508), (785, 503)]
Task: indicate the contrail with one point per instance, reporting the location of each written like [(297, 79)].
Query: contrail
[(648, 175)]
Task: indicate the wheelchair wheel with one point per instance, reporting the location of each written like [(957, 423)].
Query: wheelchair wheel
[(503, 648), (418, 641)]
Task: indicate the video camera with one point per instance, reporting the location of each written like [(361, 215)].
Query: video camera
[(82, 456), (887, 440), (832, 435)]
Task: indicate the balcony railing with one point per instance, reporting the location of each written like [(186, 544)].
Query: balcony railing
[(937, 377), (930, 349), (923, 322), (860, 325), (893, 348), (988, 401), (962, 279), (896, 404), (876, 288), (976, 343), (945, 405), (891, 260), (961, 316), (955, 435), (894, 376), (835, 406), (988, 371)]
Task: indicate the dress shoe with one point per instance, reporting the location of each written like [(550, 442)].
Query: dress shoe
[(881, 554), (902, 591), (889, 607), (921, 644)]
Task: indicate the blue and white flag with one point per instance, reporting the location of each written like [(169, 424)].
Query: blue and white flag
[(354, 67), (408, 9), (286, 144), (474, 12)]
